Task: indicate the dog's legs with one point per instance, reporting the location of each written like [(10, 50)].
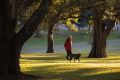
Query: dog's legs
[(70, 59)]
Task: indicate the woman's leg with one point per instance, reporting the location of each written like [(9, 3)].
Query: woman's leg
[(68, 54)]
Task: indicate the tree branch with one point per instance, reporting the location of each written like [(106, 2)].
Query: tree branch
[(23, 4), (71, 15), (30, 26), (110, 27)]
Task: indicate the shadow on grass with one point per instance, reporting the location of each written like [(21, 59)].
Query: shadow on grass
[(61, 58), (45, 57), (71, 71), (55, 72)]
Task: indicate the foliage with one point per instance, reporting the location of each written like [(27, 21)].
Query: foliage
[(71, 25), (84, 8), (60, 8)]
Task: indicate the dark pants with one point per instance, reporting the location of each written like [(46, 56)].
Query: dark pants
[(69, 52)]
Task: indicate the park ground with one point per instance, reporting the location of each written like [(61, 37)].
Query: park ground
[(54, 66), (81, 42)]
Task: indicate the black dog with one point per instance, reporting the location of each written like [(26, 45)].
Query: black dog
[(75, 56)]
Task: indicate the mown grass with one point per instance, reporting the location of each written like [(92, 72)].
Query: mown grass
[(59, 39), (56, 67)]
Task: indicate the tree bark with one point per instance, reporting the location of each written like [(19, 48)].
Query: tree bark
[(53, 20), (99, 41), (0, 23), (50, 40), (11, 42), (101, 33), (31, 25), (8, 61)]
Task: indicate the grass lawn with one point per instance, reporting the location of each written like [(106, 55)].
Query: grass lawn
[(81, 36), (59, 39), (56, 67)]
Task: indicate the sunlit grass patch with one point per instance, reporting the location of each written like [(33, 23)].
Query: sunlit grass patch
[(55, 66)]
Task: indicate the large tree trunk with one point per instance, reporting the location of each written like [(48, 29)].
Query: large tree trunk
[(99, 41), (100, 35), (14, 68), (11, 42), (9, 61)]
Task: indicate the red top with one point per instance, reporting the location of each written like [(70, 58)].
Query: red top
[(68, 44)]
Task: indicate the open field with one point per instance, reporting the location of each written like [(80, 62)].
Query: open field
[(56, 67), (81, 42), (78, 37)]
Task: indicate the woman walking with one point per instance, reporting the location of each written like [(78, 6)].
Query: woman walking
[(68, 46)]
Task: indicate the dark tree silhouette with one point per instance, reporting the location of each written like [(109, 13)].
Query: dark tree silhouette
[(11, 42)]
